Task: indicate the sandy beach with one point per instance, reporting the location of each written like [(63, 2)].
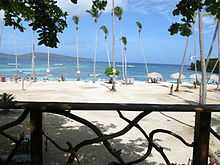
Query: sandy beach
[(109, 122)]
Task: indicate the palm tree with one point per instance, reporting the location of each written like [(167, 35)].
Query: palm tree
[(76, 22), (113, 47), (139, 28), (195, 54), (118, 12), (124, 43), (182, 65), (95, 13), (104, 29)]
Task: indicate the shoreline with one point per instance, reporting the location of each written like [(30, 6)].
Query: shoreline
[(84, 91)]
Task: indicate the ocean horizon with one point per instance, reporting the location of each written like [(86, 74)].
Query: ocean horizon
[(66, 66)]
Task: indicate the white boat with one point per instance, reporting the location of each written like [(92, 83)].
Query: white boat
[(97, 75), (58, 64), (13, 64), (129, 66)]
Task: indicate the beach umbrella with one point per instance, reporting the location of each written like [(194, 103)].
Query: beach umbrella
[(155, 75), (193, 76), (175, 76)]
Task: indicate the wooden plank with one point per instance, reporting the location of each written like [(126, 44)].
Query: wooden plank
[(201, 138), (57, 106), (36, 137)]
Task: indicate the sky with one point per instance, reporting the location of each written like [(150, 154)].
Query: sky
[(155, 15)]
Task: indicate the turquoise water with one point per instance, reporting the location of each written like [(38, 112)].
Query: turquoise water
[(68, 70)]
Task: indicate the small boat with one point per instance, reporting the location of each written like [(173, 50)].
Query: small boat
[(13, 64), (58, 65), (129, 66), (97, 75)]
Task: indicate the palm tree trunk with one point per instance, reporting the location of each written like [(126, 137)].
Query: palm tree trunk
[(142, 52), (107, 52), (203, 87), (16, 55), (195, 53), (48, 62), (33, 59), (94, 57), (125, 67), (122, 62), (212, 44), (77, 57), (219, 55), (113, 46), (182, 64)]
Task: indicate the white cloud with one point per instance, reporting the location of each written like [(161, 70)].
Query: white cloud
[(83, 5), (163, 7)]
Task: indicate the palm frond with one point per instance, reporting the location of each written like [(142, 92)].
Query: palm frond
[(105, 30), (139, 26), (124, 40), (118, 12)]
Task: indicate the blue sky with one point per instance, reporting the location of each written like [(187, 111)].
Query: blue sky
[(155, 15)]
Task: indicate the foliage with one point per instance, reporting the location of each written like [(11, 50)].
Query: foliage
[(44, 17), (96, 9), (76, 21), (105, 30), (139, 26), (118, 12), (187, 9), (210, 66), (7, 100), (109, 71)]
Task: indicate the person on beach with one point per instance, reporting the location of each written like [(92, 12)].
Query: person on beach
[(62, 77), (171, 90)]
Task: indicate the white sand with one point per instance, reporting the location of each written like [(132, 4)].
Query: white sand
[(140, 92)]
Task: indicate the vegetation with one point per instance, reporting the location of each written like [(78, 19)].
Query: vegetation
[(7, 100), (109, 71), (211, 64), (187, 10), (44, 17), (118, 12)]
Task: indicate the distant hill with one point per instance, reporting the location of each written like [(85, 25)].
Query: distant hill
[(41, 58)]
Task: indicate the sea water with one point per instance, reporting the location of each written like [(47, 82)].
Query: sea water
[(68, 70)]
